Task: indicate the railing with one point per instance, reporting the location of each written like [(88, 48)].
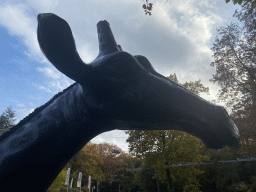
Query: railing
[(187, 164)]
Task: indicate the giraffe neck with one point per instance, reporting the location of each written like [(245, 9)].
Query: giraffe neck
[(41, 147)]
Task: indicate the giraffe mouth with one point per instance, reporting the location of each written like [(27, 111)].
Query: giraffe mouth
[(183, 110), (161, 104)]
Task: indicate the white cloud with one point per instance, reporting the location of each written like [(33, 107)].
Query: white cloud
[(18, 23), (60, 85), (41, 87), (97, 140), (50, 72), (46, 4), (23, 113), (175, 38), (21, 105)]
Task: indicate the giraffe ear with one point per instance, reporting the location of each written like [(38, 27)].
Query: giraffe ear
[(58, 45)]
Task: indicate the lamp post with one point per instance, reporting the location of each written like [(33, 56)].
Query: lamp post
[(97, 184), (116, 152)]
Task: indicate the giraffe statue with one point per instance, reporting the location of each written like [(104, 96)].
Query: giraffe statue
[(115, 91)]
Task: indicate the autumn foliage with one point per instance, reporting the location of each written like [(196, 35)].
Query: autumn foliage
[(148, 7)]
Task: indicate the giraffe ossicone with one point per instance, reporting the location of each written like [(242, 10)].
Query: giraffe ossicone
[(115, 91)]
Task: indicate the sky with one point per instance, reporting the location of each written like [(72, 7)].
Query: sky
[(176, 38)]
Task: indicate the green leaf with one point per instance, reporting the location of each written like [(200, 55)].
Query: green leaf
[(240, 2), (59, 181), (227, 1)]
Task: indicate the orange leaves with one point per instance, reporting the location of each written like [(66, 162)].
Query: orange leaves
[(147, 8), (248, 148)]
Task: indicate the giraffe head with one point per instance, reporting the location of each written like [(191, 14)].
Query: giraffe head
[(127, 91)]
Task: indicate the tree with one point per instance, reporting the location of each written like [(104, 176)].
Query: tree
[(219, 176), (113, 166), (162, 148), (195, 87), (247, 123), (87, 161), (7, 120), (235, 58), (244, 3), (145, 181), (147, 8), (248, 3), (98, 161), (126, 181), (110, 164), (58, 182)]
